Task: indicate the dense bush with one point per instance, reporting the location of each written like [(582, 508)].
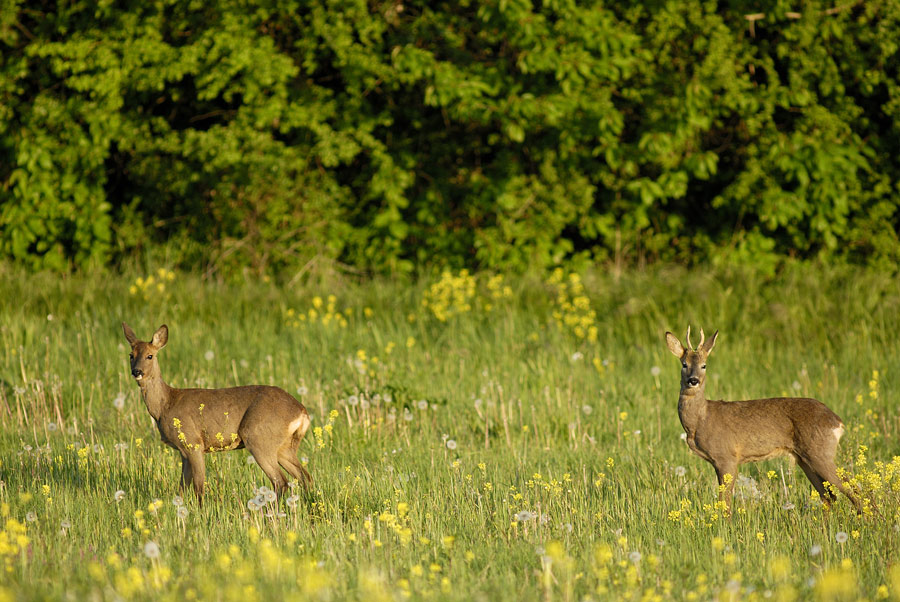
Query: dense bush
[(386, 134)]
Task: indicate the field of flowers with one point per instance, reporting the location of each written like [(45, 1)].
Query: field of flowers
[(474, 436)]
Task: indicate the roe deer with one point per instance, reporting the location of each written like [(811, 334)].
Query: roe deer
[(729, 433), (268, 421)]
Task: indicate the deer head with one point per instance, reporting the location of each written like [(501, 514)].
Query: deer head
[(693, 361), (143, 355)]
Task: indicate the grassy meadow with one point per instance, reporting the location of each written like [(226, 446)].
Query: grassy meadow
[(474, 438)]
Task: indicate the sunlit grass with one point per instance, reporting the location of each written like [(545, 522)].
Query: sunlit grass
[(474, 436)]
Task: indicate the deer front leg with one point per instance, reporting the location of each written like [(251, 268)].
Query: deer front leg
[(197, 469), (186, 476), (726, 474)]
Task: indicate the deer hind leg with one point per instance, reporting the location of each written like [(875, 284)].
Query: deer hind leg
[(287, 457), (827, 471), (287, 454), (266, 457)]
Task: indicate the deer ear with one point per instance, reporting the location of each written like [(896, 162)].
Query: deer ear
[(674, 345), (160, 337), (129, 334), (710, 343)]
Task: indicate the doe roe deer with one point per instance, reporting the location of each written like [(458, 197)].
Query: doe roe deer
[(730, 433), (266, 420)]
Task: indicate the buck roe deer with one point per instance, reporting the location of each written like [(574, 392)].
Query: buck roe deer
[(729, 433), (266, 420)]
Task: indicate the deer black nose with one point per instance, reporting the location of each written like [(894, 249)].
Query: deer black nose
[(693, 381), (137, 372)]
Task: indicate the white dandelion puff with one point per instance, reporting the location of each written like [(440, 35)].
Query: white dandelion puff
[(209, 355), (524, 515), (31, 517), (422, 404), (815, 550), (119, 495), (451, 444), (634, 556), (151, 550), (587, 409), (840, 537), (302, 390), (680, 471), (119, 401), (655, 371), (181, 512)]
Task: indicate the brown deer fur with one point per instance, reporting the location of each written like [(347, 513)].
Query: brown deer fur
[(728, 434), (266, 420)]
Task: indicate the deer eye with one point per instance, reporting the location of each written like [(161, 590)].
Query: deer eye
[(149, 357)]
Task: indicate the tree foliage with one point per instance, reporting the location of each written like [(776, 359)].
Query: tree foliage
[(389, 134)]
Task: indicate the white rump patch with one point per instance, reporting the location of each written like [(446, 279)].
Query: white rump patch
[(838, 432), (298, 423)]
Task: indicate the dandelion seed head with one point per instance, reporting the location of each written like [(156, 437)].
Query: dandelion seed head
[(634, 556), (65, 524), (181, 512), (119, 401), (353, 400), (177, 501), (655, 371), (587, 409), (796, 385), (119, 495), (840, 537), (451, 444), (422, 404), (302, 390), (31, 517), (209, 355), (815, 550), (680, 471), (151, 550)]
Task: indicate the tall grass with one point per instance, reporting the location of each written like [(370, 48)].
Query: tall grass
[(500, 454)]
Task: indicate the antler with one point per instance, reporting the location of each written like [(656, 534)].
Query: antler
[(688, 337), (702, 338)]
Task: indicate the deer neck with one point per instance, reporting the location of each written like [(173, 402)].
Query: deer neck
[(155, 393), (692, 407)]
